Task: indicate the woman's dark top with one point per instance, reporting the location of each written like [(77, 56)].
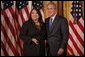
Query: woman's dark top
[(29, 31)]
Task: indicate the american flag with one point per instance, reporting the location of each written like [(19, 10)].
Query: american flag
[(76, 29), (23, 11), (13, 14), (22, 15), (8, 30), (39, 5)]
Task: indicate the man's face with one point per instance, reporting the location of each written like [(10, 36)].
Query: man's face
[(51, 10)]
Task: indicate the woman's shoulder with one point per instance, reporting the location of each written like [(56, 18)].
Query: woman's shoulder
[(27, 22)]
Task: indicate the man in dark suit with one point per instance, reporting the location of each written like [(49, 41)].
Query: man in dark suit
[(57, 32)]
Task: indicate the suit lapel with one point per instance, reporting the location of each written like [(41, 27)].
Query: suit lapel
[(53, 25)]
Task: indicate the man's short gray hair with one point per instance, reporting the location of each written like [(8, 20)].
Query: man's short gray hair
[(51, 3)]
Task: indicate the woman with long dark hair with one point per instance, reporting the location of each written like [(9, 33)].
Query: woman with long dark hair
[(33, 33)]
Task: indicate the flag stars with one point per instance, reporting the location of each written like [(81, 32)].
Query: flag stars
[(79, 14), (76, 9), (77, 2), (76, 5), (37, 4), (79, 10), (7, 4), (73, 14), (11, 2), (76, 14), (21, 4), (34, 3)]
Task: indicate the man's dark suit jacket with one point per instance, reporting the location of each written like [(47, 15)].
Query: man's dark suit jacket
[(58, 36)]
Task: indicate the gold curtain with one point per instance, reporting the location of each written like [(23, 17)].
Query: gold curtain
[(45, 8), (82, 5)]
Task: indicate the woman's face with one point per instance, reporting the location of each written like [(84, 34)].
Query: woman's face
[(34, 15)]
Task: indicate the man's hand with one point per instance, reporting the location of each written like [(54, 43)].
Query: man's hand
[(60, 51)]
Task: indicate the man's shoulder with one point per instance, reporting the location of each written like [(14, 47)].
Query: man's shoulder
[(61, 17)]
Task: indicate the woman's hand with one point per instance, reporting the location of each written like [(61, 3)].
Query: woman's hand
[(35, 40)]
